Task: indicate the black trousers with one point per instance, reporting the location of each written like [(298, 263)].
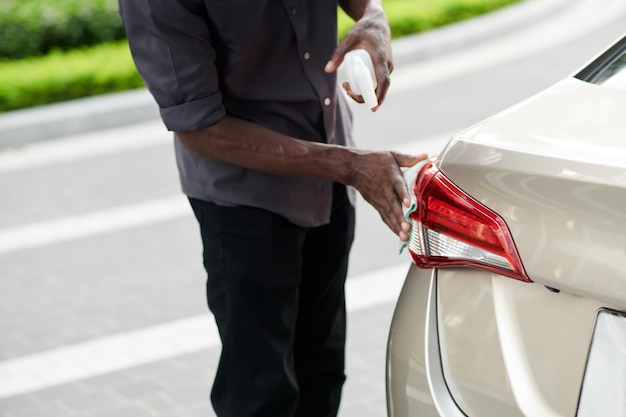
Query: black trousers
[(277, 293)]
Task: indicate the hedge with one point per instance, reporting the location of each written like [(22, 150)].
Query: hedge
[(36, 27), (105, 68)]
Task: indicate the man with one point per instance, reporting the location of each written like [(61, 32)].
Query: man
[(263, 149)]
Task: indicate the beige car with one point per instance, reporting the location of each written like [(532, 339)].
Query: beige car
[(516, 304)]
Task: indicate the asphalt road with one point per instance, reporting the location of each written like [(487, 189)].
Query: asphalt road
[(100, 256)]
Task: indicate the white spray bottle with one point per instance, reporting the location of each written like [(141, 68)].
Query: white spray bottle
[(358, 70)]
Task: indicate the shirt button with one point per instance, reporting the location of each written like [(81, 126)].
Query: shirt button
[(294, 11), (327, 101), (307, 56)]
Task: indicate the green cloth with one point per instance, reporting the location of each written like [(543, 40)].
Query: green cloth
[(410, 175)]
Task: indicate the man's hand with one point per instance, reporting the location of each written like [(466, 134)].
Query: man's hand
[(378, 177), (370, 32)]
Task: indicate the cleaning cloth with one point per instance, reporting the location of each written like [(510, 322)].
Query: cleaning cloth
[(410, 176)]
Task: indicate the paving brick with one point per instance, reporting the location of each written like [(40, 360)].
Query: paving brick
[(106, 382), (102, 401), (46, 410), (158, 402), (197, 409), (138, 389), (127, 410), (58, 394), (20, 404)]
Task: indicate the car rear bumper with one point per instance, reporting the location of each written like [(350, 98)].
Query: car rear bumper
[(466, 342), (415, 381)]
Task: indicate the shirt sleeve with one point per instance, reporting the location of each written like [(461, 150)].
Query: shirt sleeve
[(170, 42)]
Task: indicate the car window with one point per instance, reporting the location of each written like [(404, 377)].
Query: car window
[(609, 69), (614, 74)]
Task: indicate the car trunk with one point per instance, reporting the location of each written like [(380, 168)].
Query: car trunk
[(558, 179)]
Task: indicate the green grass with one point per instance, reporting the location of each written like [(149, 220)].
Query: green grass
[(108, 67)]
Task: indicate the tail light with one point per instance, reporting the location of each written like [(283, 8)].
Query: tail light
[(450, 228)]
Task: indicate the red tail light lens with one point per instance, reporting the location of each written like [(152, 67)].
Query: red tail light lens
[(450, 228)]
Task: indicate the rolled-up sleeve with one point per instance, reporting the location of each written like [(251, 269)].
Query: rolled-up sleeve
[(171, 45)]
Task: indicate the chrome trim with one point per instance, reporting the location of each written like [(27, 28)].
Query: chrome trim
[(415, 244), (445, 404), (603, 387)]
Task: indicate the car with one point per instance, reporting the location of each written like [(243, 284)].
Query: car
[(515, 303)]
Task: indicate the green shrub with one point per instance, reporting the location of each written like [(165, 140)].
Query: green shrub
[(59, 76), (413, 16), (36, 27)]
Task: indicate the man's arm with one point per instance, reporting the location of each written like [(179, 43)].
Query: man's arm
[(375, 174), (370, 32)]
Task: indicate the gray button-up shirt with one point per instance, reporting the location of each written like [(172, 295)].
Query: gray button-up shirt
[(259, 60)]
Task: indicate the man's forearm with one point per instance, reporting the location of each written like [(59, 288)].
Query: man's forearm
[(253, 146)]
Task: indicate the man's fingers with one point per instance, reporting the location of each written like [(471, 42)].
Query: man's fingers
[(381, 89), (400, 187), (337, 56), (335, 60), (355, 97), (400, 228), (332, 64)]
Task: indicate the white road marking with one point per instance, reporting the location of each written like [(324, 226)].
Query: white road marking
[(92, 144), (164, 341), (64, 229)]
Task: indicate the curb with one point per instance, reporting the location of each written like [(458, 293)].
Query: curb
[(21, 127)]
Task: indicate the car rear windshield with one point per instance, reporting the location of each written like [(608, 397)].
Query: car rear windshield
[(609, 69)]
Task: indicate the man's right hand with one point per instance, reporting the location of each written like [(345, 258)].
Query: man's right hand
[(377, 175)]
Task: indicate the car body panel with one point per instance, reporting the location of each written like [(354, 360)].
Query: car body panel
[(559, 182), (474, 369), (532, 335), (523, 363)]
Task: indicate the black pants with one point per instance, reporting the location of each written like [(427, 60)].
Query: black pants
[(277, 293)]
